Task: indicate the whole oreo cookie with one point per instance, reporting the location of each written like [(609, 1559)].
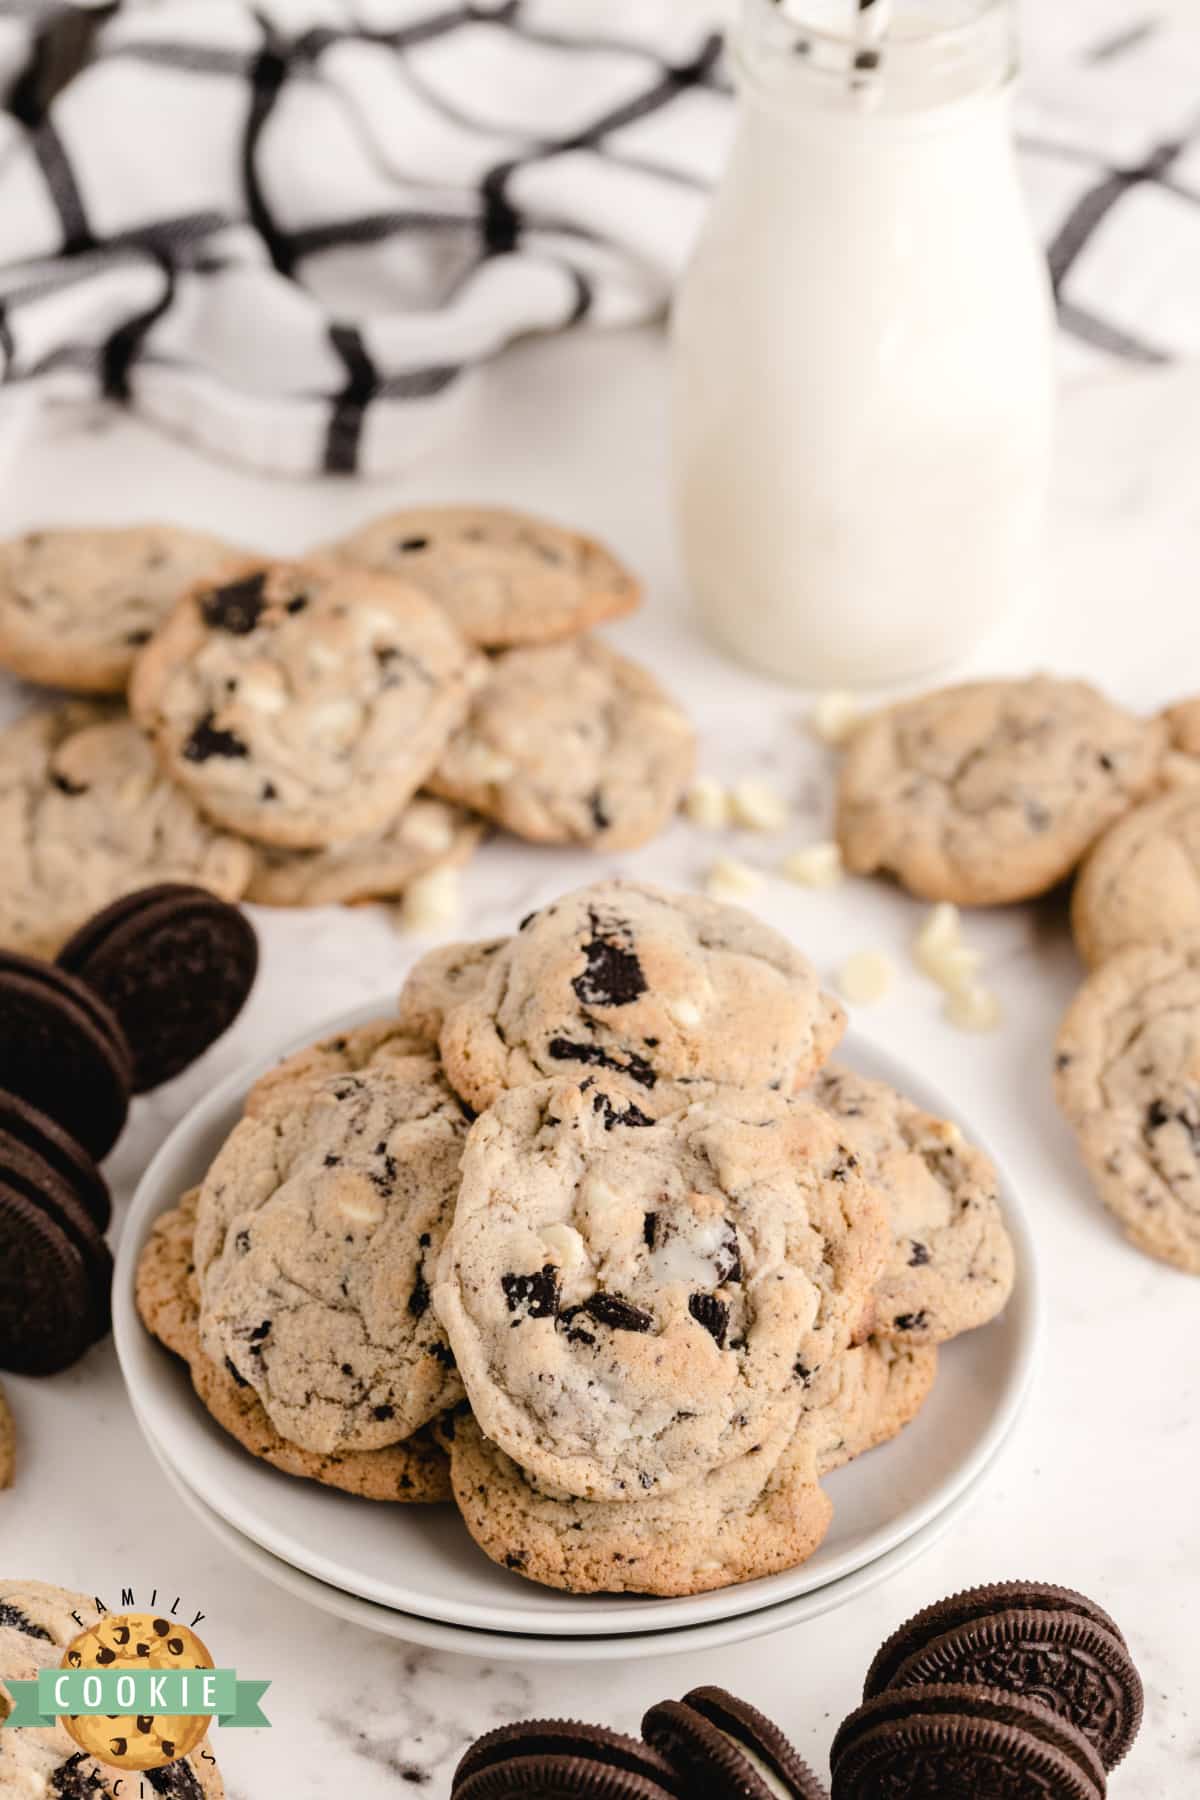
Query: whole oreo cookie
[(63, 1051), (558, 1759), (24, 1124), (24, 1172), (49, 1293), (1028, 1638), (726, 1749), (175, 964), (961, 1743)]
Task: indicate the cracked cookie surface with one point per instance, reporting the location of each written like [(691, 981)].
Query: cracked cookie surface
[(428, 834), (87, 816), (633, 1303), (503, 577), (77, 605), (572, 744), (302, 703), (414, 1472), (317, 1235), (1141, 882), (627, 979), (992, 791), (1127, 1078), (950, 1268)]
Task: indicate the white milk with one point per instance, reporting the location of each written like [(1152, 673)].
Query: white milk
[(862, 353)]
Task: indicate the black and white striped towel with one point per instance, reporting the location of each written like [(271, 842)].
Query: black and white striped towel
[(290, 230)]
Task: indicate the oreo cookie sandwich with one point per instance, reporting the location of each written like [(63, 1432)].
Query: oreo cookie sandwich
[(55, 1281), (960, 1743), (726, 1749), (63, 1051), (560, 1759), (175, 965), (1028, 1638)]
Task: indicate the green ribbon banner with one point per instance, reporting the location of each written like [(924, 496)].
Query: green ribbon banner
[(121, 1693)]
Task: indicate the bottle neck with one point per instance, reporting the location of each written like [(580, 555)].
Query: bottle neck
[(903, 59)]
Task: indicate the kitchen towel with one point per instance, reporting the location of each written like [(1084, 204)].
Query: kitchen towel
[(291, 230)]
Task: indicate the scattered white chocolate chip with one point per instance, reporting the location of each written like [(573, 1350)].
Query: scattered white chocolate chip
[(706, 804), (865, 976), (757, 806), (939, 951), (972, 1008), (431, 902), (834, 716), (731, 880), (816, 865)]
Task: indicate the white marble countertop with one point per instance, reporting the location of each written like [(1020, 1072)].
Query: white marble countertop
[(1097, 1490)]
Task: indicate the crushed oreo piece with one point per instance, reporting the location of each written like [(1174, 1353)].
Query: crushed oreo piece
[(236, 607), (613, 975), (712, 1313), (208, 740), (536, 1295), (563, 1050), (618, 1314)]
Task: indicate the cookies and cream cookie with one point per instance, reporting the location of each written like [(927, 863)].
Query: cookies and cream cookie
[(440, 980), (302, 703), (78, 603), (626, 979), (634, 1303), (385, 1043), (1127, 1078), (317, 1236), (428, 834), (412, 1472), (1141, 883), (991, 791), (571, 744), (86, 816), (951, 1263), (503, 577)]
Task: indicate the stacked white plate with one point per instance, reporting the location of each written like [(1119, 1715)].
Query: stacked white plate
[(413, 1573)]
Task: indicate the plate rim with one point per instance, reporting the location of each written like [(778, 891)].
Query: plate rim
[(135, 1347)]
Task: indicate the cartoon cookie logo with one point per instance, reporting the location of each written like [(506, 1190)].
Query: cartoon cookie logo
[(137, 1641)]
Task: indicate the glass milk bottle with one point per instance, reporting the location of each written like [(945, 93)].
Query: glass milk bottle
[(862, 346)]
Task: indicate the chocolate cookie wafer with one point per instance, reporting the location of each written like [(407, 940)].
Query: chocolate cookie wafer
[(726, 1749), (563, 1758)]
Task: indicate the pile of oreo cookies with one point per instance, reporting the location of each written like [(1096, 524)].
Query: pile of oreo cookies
[(592, 1237), (338, 728), (135, 995), (1020, 1691)]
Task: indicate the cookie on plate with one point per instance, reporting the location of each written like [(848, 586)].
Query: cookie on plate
[(1127, 1078), (440, 980), (302, 703), (627, 979), (992, 791), (78, 603), (384, 1043), (571, 744), (87, 816), (413, 1472), (429, 834), (503, 577), (1141, 883), (317, 1235), (864, 1398), (37, 1622), (632, 1304), (951, 1266)]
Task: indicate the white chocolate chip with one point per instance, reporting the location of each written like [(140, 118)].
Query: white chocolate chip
[(865, 976), (834, 717), (427, 826), (568, 1252), (939, 951), (816, 865), (730, 880), (431, 902), (361, 1207), (972, 1008), (706, 804), (757, 806), (684, 1012)]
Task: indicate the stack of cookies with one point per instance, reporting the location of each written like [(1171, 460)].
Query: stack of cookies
[(594, 1235), (333, 729), (999, 791)]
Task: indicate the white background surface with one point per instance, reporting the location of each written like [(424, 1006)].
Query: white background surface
[(1098, 1489)]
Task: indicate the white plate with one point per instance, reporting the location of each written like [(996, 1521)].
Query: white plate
[(420, 1559), (501, 1646)]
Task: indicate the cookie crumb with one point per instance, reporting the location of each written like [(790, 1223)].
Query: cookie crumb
[(865, 976), (431, 902), (834, 717), (732, 880), (757, 807), (8, 1444), (706, 804), (972, 1008), (816, 865)]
